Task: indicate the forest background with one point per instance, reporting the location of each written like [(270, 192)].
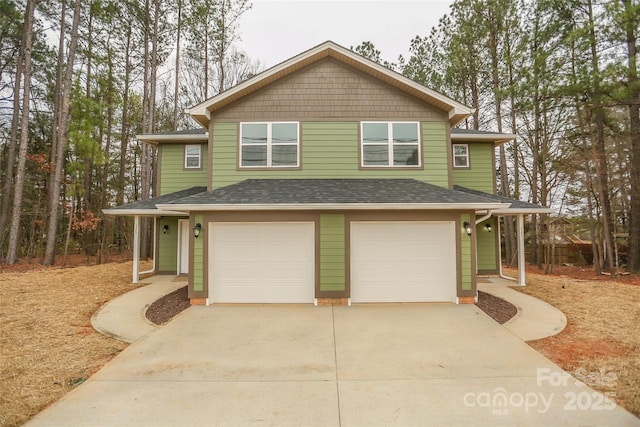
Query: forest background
[(561, 74)]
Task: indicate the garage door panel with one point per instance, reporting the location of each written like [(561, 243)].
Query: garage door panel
[(402, 261), (262, 262)]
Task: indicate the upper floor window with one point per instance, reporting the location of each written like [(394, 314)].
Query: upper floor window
[(273, 144), (460, 155), (192, 157), (390, 144)]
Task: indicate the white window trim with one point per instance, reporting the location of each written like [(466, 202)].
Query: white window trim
[(466, 156), (269, 145), (390, 145), (187, 156)]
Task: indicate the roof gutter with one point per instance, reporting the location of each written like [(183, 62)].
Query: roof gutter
[(142, 212), (331, 206)]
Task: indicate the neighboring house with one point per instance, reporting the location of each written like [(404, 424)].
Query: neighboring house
[(327, 179)]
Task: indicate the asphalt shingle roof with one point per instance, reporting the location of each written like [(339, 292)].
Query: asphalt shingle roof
[(515, 204), (165, 198), (334, 191)]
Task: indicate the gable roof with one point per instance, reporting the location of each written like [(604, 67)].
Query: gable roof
[(148, 206), (203, 112), (309, 194)]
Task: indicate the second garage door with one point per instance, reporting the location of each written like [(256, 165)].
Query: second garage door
[(261, 262), (403, 261)]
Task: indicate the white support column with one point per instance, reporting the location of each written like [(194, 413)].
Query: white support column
[(153, 250), (136, 248), (521, 257)]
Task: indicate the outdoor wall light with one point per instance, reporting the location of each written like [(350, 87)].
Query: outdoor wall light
[(165, 229), (196, 230), (467, 228), (488, 227)]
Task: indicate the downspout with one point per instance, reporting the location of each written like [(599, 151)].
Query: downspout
[(502, 276), (484, 218), (136, 248), (478, 221), (155, 237), (521, 261)]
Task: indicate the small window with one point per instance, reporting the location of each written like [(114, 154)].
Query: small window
[(460, 155), (269, 144), (192, 156), (390, 144)]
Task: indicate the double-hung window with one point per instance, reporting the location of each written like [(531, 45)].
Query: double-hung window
[(272, 144), (390, 144), (192, 157), (461, 155)]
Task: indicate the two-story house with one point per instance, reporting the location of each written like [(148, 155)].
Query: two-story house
[(328, 179)]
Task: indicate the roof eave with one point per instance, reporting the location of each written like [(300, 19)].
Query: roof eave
[(156, 140), (142, 212), (333, 206), (523, 211), (496, 138)]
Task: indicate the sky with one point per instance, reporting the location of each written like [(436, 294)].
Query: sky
[(273, 31)]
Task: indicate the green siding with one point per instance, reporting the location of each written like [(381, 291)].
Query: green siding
[(173, 175), (198, 256), (480, 175), (168, 244), (329, 150), (332, 252), (465, 254), (486, 243)]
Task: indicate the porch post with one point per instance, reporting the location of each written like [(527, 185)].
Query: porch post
[(521, 260), (136, 248)]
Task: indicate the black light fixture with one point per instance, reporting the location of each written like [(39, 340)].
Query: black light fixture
[(488, 227), (196, 230), (467, 228), (165, 229)]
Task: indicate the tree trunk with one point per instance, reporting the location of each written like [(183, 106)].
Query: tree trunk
[(50, 250), (57, 106), (602, 168), (176, 89), (14, 232), (631, 28), (11, 154)]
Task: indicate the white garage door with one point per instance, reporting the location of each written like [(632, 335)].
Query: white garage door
[(261, 262), (403, 261)]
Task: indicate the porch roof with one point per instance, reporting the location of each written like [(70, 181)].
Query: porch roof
[(149, 207), (332, 194), (515, 207)]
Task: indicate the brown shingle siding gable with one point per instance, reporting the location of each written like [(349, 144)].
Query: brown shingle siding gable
[(329, 90)]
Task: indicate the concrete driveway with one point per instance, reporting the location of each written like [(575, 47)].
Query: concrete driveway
[(366, 365)]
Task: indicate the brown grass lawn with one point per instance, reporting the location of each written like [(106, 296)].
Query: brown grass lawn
[(47, 344), (601, 343)]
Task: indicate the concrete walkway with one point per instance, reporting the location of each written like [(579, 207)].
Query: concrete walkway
[(535, 319), (123, 318)]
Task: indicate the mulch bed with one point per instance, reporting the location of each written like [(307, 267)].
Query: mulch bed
[(165, 308), (497, 308)]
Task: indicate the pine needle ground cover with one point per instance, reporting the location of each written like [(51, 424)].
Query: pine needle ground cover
[(47, 344), (601, 344)]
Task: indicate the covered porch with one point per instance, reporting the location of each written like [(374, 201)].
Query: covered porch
[(168, 231)]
